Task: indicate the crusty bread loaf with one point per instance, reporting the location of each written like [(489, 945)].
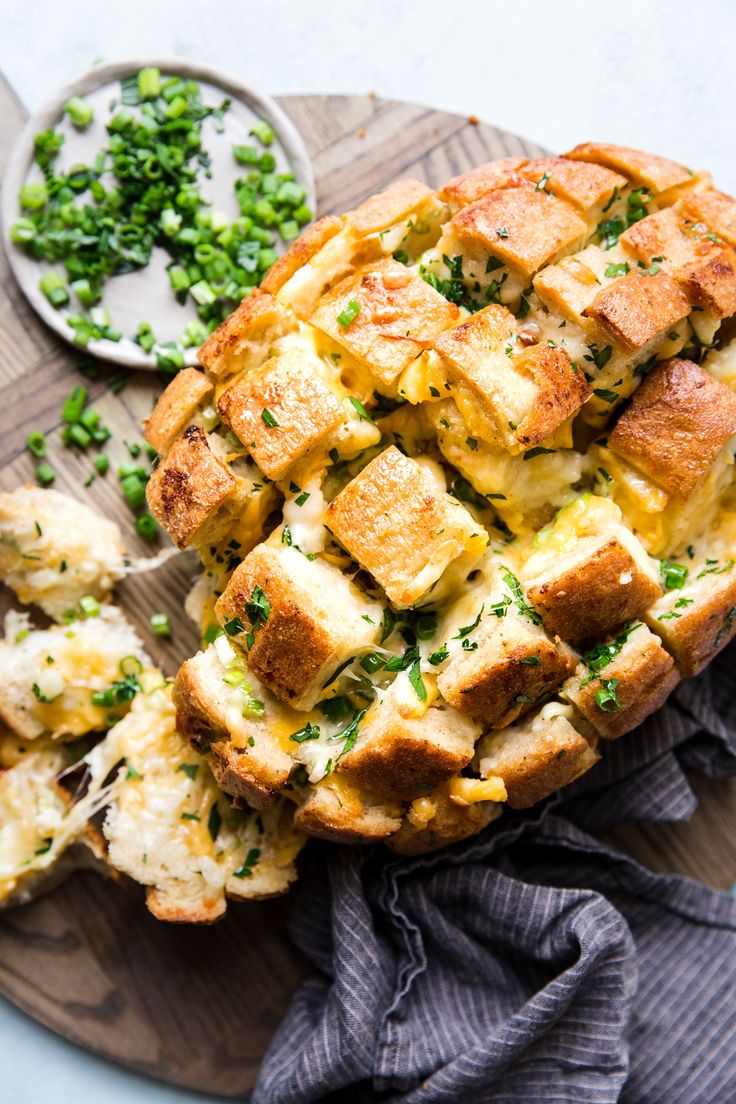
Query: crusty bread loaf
[(487, 410)]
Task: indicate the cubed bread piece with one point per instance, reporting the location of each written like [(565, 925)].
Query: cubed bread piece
[(336, 809), (444, 823), (569, 287), (589, 573), (512, 664), (299, 619), (300, 252), (234, 724), (698, 620), (622, 680), (589, 188), (176, 408), (397, 203), (397, 522), (508, 394), (50, 678), (54, 549), (485, 178), (281, 412), (714, 210), (244, 339), (538, 756), (191, 492), (636, 308), (704, 269), (647, 170), (403, 748), (678, 422), (384, 315), (521, 227)]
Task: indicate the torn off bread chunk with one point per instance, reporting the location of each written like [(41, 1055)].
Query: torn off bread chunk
[(540, 755), (436, 820), (697, 618), (67, 680), (54, 549), (177, 406), (384, 315), (283, 412), (509, 394), (588, 573), (298, 620), (245, 338), (406, 745), (500, 664), (622, 680), (169, 827), (397, 521)]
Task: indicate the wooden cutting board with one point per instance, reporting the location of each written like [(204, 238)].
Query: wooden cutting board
[(197, 1007)]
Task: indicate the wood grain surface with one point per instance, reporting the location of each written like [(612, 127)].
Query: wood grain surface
[(197, 1007)]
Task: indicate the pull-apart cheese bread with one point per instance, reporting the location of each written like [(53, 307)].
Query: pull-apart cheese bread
[(462, 474)]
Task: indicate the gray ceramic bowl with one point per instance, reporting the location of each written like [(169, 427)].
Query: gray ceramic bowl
[(145, 295)]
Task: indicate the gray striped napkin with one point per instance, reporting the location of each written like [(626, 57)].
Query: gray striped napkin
[(530, 963)]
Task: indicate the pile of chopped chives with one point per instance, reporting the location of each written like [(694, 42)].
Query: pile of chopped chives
[(103, 220)]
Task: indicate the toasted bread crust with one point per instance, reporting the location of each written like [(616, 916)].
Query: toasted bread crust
[(635, 309), (300, 252), (658, 174), (189, 487), (488, 177), (160, 904), (450, 824), (343, 817), (227, 348), (714, 209), (562, 391), (703, 630), (396, 524), (536, 764), (678, 422), (588, 599), (286, 391), (522, 227), (398, 315), (176, 406), (387, 207), (587, 186), (644, 674)]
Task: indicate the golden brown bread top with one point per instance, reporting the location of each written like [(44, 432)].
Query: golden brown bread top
[(177, 405), (637, 308), (642, 675), (589, 598), (281, 412), (658, 174), (398, 315), (300, 252), (235, 343), (338, 811), (521, 227), (587, 186), (188, 487), (562, 391), (470, 186), (396, 523), (713, 209), (701, 627), (678, 421), (397, 202)]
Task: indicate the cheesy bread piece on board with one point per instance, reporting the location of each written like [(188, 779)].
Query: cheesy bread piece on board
[(177, 407), (400, 524), (589, 573), (54, 550), (538, 756), (622, 680), (169, 827), (679, 436), (297, 619), (67, 680)]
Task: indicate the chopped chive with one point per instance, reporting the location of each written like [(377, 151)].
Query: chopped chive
[(146, 527), (36, 444), (45, 475), (348, 314), (89, 605)]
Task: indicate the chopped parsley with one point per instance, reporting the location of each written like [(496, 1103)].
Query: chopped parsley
[(214, 822), (309, 732), (518, 597), (439, 656), (189, 769), (360, 409), (246, 870), (268, 419), (674, 575), (606, 698), (259, 607), (620, 269)]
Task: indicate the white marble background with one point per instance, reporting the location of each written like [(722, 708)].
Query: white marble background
[(659, 74)]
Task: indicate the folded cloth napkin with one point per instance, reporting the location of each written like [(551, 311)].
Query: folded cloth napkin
[(530, 963)]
